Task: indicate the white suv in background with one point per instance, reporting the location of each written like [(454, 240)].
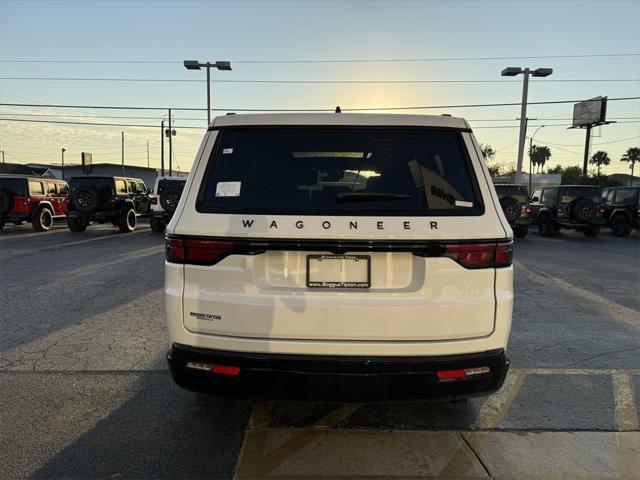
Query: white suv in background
[(360, 252), (164, 201)]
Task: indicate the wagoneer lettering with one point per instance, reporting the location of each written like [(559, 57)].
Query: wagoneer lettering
[(366, 252)]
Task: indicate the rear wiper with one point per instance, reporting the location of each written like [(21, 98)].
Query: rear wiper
[(370, 197)]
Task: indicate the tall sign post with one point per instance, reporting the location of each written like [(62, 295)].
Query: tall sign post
[(87, 160), (588, 114)]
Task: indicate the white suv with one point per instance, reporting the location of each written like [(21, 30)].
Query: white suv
[(164, 200), (342, 250)]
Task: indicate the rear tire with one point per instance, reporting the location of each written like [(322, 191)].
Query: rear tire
[(511, 208), (76, 225), (545, 226), (521, 231), (43, 220), (592, 230), (621, 226), (157, 225), (127, 222)]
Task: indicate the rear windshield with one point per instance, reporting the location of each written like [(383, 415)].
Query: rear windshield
[(340, 172), (17, 186), (581, 192), (170, 185), (99, 183), (511, 190)]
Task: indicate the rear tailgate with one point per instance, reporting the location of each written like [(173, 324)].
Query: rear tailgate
[(386, 276)]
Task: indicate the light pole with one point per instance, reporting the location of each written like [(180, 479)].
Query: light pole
[(63, 150), (530, 148), (196, 65), (512, 72)]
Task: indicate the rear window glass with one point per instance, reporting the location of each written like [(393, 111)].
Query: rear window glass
[(170, 185), (17, 186), (340, 172), (511, 190), (569, 194)]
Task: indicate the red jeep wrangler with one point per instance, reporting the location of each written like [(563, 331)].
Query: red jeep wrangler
[(32, 199)]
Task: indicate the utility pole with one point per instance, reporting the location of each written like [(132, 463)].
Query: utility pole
[(147, 153), (2, 156), (122, 143), (170, 143), (63, 150), (162, 148), (587, 144)]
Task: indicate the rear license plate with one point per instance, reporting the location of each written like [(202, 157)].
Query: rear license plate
[(338, 271)]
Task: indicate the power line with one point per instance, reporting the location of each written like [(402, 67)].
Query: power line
[(477, 105), (356, 60), (202, 128), (64, 115), (89, 123), (309, 82)]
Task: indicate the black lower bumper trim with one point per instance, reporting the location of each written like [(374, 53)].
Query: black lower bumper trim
[(335, 378)]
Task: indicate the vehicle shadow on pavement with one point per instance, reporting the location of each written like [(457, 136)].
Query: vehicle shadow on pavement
[(161, 431)]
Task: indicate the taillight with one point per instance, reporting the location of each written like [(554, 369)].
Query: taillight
[(197, 252), (153, 200), (528, 209), (483, 255), (174, 250), (601, 211)]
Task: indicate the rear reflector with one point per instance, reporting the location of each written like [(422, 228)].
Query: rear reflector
[(483, 255), (225, 370), (197, 252), (450, 374), (462, 373), (153, 200), (214, 368)]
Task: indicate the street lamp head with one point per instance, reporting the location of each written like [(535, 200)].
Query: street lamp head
[(223, 65), (511, 71), (542, 72), (192, 64)]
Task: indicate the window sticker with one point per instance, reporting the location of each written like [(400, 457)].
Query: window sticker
[(228, 189), (461, 203), (227, 151)]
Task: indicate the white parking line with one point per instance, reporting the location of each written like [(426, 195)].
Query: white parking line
[(89, 240), (625, 405), (10, 236)]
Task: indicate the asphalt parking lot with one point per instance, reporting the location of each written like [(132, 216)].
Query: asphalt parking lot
[(85, 392)]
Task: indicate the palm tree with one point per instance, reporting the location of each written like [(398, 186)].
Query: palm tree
[(599, 159), (539, 155), (632, 155)]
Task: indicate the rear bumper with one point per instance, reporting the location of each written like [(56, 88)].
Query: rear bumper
[(569, 223), (339, 378)]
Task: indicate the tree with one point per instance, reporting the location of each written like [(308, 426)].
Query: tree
[(489, 154), (571, 175), (539, 155), (599, 159), (631, 156), (487, 151)]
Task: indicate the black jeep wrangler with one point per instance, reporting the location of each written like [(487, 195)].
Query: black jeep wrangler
[(622, 209), (574, 207), (514, 200), (117, 199)]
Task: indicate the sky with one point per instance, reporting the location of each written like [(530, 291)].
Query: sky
[(39, 38)]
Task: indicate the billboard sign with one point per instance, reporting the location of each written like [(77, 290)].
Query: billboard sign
[(86, 163), (590, 112)]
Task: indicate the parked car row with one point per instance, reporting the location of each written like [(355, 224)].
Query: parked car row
[(574, 207), (88, 199)]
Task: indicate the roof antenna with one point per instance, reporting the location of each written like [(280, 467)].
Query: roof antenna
[(338, 109)]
